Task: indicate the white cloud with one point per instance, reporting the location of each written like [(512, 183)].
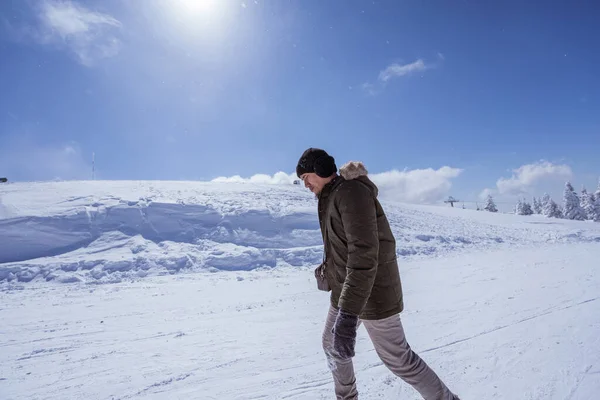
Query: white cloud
[(396, 70), (412, 186), (531, 178), (417, 185), (485, 192), (277, 179), (88, 35)]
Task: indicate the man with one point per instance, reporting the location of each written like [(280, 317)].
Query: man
[(361, 271)]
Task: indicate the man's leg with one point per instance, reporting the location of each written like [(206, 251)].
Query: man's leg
[(342, 370), (390, 344)]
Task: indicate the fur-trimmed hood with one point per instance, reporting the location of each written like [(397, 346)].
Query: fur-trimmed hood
[(358, 170), (353, 169)]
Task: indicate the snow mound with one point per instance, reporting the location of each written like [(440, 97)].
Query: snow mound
[(107, 231)]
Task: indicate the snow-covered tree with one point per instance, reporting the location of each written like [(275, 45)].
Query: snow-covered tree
[(490, 205), (537, 206), (519, 207), (549, 208), (596, 202), (588, 204), (571, 204), (523, 208), (526, 209), (554, 210), (544, 202)]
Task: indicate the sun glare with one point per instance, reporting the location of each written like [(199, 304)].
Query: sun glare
[(198, 6), (204, 20)]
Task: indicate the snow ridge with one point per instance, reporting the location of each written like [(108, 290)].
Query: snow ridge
[(109, 231)]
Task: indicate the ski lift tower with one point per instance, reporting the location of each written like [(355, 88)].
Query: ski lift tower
[(451, 200)]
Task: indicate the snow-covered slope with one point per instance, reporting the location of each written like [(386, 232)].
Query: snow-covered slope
[(106, 231), (501, 306)]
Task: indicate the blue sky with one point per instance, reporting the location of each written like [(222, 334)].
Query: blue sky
[(505, 95)]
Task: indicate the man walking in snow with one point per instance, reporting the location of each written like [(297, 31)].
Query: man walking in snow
[(361, 271)]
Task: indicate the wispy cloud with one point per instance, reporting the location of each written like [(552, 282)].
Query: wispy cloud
[(398, 70), (370, 88), (530, 179), (66, 25)]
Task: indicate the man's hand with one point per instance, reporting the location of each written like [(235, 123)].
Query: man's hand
[(344, 334)]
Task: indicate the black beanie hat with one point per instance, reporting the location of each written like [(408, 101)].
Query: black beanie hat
[(317, 161)]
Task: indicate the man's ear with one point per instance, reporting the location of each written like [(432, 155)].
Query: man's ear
[(323, 166)]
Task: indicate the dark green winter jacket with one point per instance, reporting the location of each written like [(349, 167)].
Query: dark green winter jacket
[(361, 264)]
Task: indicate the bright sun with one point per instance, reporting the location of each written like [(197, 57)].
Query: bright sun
[(198, 6), (206, 19)]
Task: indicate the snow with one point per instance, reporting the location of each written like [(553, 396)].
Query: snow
[(152, 290), (110, 231)]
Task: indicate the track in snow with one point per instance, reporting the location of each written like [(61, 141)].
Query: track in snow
[(496, 325)]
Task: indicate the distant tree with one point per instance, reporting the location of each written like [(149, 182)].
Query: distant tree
[(554, 210), (596, 198), (489, 204), (588, 203), (523, 208), (549, 208), (519, 207), (526, 209), (571, 204), (537, 206), (596, 215), (544, 201)]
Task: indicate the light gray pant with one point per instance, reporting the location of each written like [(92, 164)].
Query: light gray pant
[(387, 336)]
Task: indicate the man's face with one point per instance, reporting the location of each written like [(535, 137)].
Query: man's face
[(314, 182)]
